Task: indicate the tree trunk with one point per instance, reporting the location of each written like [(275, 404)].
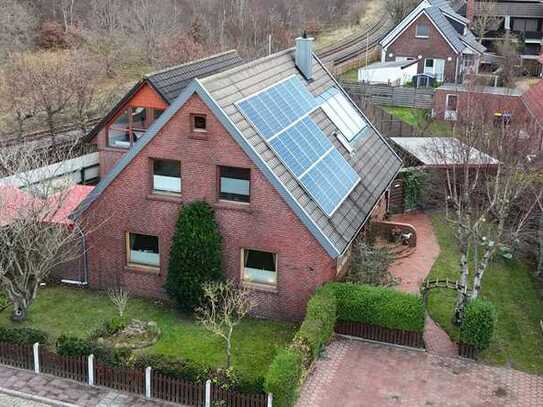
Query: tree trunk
[(483, 265), (229, 351), (461, 296), (539, 270)]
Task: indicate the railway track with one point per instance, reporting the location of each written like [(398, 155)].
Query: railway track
[(356, 44)]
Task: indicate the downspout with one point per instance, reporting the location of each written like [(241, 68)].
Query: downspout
[(456, 69), (84, 281)]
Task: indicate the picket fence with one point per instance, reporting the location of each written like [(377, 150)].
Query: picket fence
[(147, 382)]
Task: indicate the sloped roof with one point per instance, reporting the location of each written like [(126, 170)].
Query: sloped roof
[(372, 158), (533, 100), (442, 151), (390, 64), (170, 82)]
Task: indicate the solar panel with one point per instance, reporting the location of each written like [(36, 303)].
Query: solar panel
[(281, 115), (342, 113), (274, 109)]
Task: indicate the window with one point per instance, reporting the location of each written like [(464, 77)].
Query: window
[(199, 123), (234, 184), (451, 103), (166, 176), (525, 24), (422, 31), (143, 250), (259, 267), (429, 63), (131, 125)]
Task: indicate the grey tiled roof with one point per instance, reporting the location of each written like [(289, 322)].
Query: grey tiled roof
[(171, 81), (372, 158)]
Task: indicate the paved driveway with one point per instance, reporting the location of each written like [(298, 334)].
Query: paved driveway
[(357, 374)]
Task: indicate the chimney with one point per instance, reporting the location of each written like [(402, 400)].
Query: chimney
[(304, 55), (470, 10)]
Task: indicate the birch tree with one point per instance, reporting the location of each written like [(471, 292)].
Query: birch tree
[(224, 307), (34, 241), (485, 19)]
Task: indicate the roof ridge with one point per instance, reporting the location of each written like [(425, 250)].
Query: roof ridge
[(171, 68), (248, 64)]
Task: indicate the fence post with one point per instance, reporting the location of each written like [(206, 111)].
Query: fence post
[(91, 369), (208, 393), (36, 351), (270, 400), (148, 382)]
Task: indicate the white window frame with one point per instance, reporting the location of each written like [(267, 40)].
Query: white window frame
[(269, 285), (450, 114), (417, 35)]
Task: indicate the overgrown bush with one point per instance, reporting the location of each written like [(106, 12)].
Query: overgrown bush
[(4, 303), (479, 322), (318, 325), (109, 327), (71, 346), (195, 255), (283, 377), (370, 265), (379, 306), (23, 336)]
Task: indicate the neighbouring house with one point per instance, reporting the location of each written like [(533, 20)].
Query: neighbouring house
[(522, 18), (393, 72), (495, 104), (292, 168), (436, 36)]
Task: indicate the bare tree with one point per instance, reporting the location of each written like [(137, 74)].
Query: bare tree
[(16, 102), (485, 19), (35, 239), (399, 9), (490, 200), (225, 305), (508, 59), (17, 27), (119, 297)]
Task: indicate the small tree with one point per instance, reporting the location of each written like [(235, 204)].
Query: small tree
[(399, 9), (195, 255), (486, 18), (224, 307), (119, 298)]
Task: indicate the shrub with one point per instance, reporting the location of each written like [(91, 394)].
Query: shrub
[(318, 325), (23, 336), (479, 321), (283, 377), (71, 346), (379, 306), (370, 265), (195, 255), (109, 328), (4, 302)]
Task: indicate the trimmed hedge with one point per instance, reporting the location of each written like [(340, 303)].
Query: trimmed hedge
[(71, 346), (283, 378), (379, 306), (22, 336), (479, 322), (318, 325)]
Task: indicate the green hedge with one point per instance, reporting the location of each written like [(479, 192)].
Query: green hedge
[(379, 306), (71, 346), (318, 325), (26, 336), (479, 322), (283, 378)]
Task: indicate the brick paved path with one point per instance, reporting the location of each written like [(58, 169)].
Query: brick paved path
[(413, 270), (359, 374), (11, 401), (69, 391)]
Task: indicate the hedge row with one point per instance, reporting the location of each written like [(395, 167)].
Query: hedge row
[(478, 326), (284, 376), (22, 336), (379, 306)]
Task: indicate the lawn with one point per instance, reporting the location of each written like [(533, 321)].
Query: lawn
[(416, 118), (518, 340), (59, 310)]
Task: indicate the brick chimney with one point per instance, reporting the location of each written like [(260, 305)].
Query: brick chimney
[(470, 10), (304, 55)]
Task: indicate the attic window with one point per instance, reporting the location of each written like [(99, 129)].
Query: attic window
[(422, 31), (199, 123), (343, 114)]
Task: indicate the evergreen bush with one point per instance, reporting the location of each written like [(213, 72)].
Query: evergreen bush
[(479, 322)]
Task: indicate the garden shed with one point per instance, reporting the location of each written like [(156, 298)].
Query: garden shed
[(394, 72)]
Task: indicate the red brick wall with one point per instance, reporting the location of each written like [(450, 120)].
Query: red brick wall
[(435, 46), (267, 223)]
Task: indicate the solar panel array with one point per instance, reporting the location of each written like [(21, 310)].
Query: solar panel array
[(342, 113), (281, 115)]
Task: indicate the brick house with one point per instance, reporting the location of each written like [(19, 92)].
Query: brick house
[(439, 38), (290, 165)]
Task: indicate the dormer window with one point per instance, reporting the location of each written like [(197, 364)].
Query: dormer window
[(130, 125), (422, 31), (199, 123)]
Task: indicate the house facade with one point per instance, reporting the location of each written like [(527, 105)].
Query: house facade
[(291, 167), (438, 38)]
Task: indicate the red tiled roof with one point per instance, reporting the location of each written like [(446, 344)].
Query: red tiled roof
[(12, 199), (533, 99)]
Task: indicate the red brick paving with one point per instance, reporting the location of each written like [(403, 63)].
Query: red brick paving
[(359, 374)]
